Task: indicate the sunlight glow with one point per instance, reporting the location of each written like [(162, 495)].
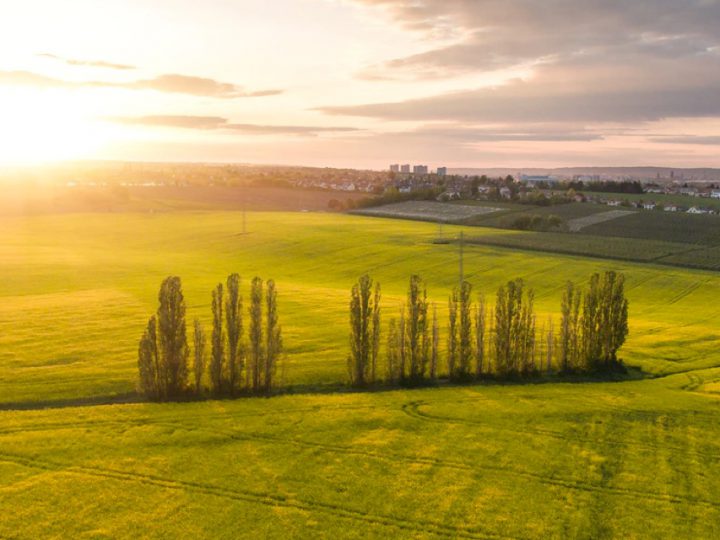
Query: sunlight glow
[(47, 125)]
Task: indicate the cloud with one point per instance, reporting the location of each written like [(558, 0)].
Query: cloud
[(219, 123), (88, 63), (196, 86), (259, 129), (523, 29), (590, 60), (475, 134), (712, 140), (27, 78), (176, 121), (523, 102), (171, 83)]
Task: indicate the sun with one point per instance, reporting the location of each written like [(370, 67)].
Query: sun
[(46, 125)]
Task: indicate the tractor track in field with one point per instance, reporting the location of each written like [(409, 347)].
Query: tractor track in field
[(250, 496), (687, 291), (51, 426), (412, 409), (694, 382), (613, 409), (394, 457)]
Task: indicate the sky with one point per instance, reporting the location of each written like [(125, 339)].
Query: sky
[(362, 83)]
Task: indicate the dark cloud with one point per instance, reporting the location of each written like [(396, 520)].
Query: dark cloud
[(523, 102), (504, 33), (217, 122), (88, 63), (171, 83), (528, 28), (591, 60)]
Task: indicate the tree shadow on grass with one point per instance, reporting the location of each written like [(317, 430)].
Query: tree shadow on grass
[(339, 388)]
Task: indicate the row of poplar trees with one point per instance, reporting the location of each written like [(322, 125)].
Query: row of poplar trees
[(237, 362), (486, 341)]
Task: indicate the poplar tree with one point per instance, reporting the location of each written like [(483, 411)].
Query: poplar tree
[(172, 338), (620, 310), (363, 315), (217, 361), (549, 345), (569, 338), (503, 320), (613, 317), (199, 343), (392, 351), (604, 320), (416, 330), (480, 329), (149, 362), (273, 334), (255, 334), (591, 324), (465, 338), (375, 346), (492, 363), (452, 352), (514, 327), (435, 345), (527, 344), (402, 342), (234, 328), (541, 349)]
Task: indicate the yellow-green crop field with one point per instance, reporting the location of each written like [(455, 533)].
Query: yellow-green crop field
[(547, 459)]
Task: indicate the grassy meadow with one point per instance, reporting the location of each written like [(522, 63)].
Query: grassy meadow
[(549, 459)]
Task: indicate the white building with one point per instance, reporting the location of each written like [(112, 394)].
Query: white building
[(395, 168), (531, 180), (442, 171), (405, 168)]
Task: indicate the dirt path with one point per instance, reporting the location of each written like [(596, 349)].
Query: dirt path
[(578, 224)]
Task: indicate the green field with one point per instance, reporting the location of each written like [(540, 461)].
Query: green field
[(632, 459), (668, 226), (624, 249), (675, 239), (683, 201), (511, 211)]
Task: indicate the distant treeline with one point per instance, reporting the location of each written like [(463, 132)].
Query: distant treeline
[(606, 186), (535, 222), (388, 197), (486, 341), (238, 363)]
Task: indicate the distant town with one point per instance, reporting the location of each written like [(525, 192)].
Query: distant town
[(694, 191)]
